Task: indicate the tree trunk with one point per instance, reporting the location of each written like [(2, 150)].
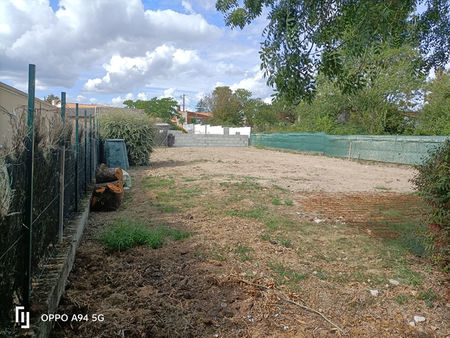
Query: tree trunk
[(104, 174), (107, 196)]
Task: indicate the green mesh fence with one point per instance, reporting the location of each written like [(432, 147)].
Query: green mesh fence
[(383, 148)]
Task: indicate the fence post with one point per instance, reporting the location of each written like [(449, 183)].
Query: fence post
[(76, 157), (85, 151), (62, 168), (91, 148), (28, 224)]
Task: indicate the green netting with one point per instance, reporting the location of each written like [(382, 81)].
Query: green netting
[(383, 148)]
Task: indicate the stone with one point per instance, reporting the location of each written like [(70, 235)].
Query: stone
[(394, 282), (374, 293), (419, 319)]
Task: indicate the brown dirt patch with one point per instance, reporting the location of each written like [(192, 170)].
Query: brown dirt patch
[(194, 287)]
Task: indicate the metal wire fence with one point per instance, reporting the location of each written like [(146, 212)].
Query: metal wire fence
[(60, 167)]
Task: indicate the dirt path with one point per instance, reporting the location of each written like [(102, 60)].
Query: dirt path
[(324, 239), (295, 172)]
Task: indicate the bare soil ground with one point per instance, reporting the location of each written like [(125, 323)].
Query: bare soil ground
[(275, 237)]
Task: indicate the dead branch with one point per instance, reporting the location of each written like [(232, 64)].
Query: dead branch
[(286, 299)]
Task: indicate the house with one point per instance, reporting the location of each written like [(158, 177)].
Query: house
[(192, 117), (12, 101)]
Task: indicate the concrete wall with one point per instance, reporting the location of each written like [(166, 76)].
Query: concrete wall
[(216, 130), (12, 99), (198, 140)]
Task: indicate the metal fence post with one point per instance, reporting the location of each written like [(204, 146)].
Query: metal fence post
[(62, 168), (28, 222), (85, 151), (77, 185), (90, 149)]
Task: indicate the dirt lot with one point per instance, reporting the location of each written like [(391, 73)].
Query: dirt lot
[(281, 244)]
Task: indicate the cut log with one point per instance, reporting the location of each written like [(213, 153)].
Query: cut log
[(104, 174), (107, 196)]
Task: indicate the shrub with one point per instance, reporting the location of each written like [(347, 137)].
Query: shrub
[(433, 183), (135, 128)]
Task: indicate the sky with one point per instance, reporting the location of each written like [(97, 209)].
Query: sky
[(108, 51)]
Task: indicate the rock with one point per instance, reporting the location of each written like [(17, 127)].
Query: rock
[(374, 293), (318, 220), (412, 324), (419, 319), (394, 282)]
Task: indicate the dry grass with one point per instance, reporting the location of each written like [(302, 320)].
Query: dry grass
[(251, 262)]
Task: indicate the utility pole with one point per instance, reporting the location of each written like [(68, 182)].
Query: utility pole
[(184, 103)]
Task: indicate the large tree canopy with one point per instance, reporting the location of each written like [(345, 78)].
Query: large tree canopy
[(165, 108), (307, 37)]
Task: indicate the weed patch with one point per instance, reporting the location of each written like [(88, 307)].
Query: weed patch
[(124, 234), (286, 274)]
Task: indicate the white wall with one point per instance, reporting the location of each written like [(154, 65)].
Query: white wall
[(215, 130)]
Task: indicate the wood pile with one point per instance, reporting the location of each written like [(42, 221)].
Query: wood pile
[(108, 192)]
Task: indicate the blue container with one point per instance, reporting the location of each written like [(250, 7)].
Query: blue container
[(116, 154)]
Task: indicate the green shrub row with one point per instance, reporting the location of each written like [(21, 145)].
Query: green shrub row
[(135, 128), (432, 181)]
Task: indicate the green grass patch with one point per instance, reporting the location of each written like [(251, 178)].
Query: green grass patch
[(243, 252), (289, 203), (279, 188), (276, 222), (427, 296), (153, 182), (285, 242), (247, 184), (286, 274), (124, 234), (167, 208), (276, 201), (401, 299), (408, 276), (257, 212), (383, 188)]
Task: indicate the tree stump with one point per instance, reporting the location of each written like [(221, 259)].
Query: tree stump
[(107, 196), (104, 174)]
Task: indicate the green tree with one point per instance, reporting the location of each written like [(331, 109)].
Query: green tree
[(164, 108), (226, 106), (386, 104), (434, 119), (202, 106), (304, 37), (51, 98)]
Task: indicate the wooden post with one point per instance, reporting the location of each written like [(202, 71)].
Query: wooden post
[(350, 150), (61, 169), (28, 226)]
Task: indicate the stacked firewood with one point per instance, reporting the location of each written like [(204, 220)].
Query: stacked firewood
[(108, 192)]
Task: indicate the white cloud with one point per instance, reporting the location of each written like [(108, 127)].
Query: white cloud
[(187, 6), (117, 101), (125, 73), (254, 82), (142, 96), (207, 4), (80, 99), (168, 92), (81, 33)]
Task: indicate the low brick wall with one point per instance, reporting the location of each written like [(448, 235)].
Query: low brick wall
[(202, 140)]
